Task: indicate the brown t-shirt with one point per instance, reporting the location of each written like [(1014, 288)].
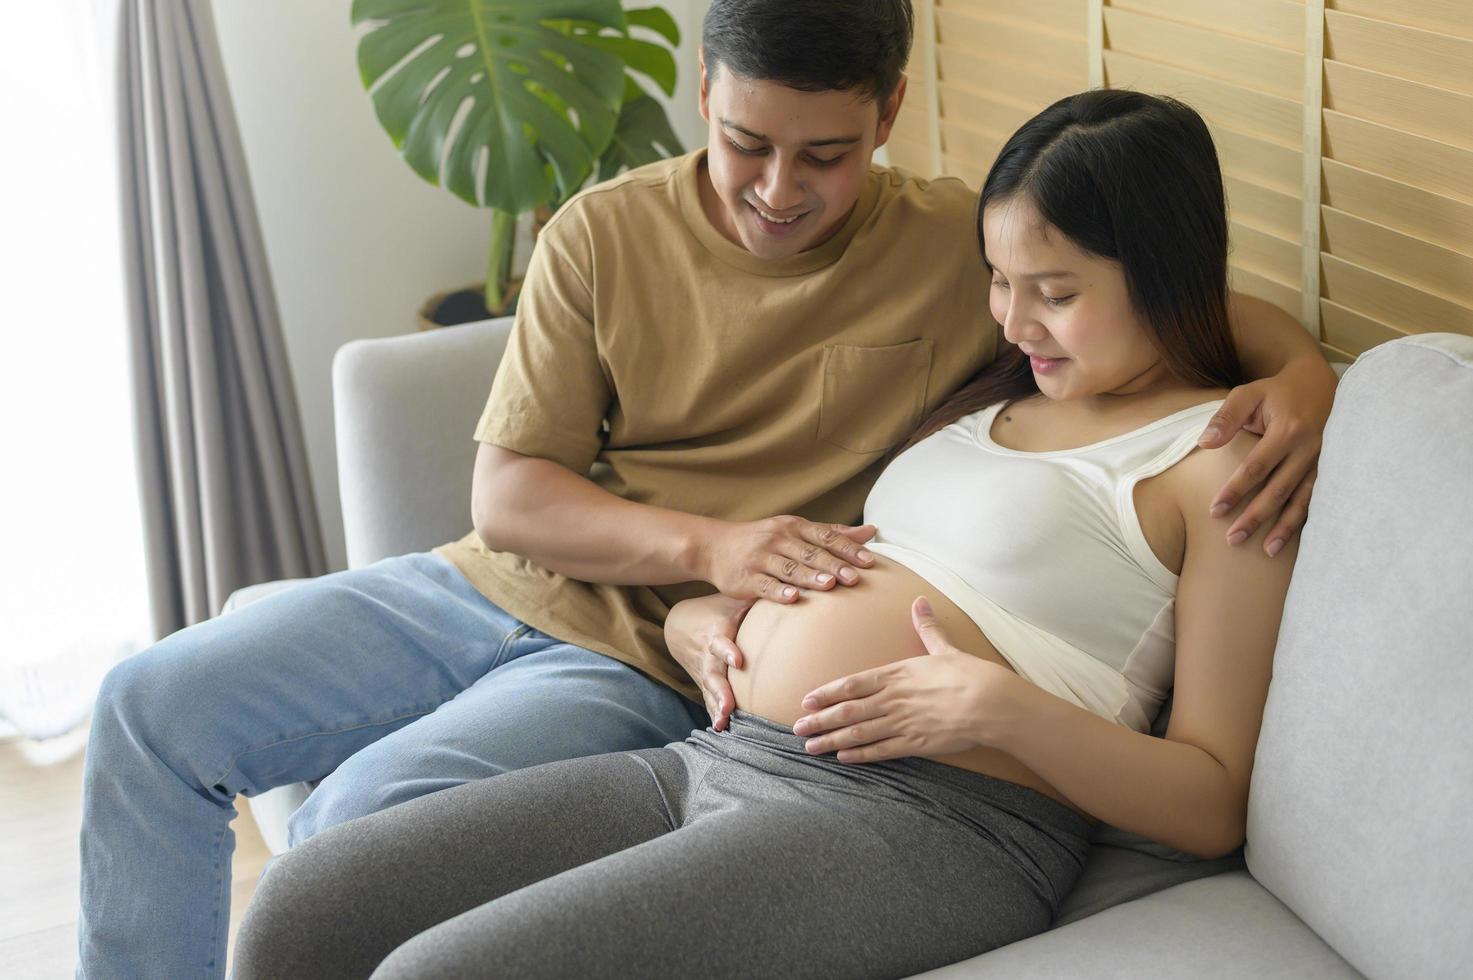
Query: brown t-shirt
[(679, 370)]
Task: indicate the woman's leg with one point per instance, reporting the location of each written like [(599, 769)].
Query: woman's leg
[(827, 876), (337, 904)]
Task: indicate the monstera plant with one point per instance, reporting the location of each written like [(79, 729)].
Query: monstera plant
[(523, 100)]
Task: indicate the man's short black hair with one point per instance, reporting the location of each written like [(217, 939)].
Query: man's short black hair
[(812, 45)]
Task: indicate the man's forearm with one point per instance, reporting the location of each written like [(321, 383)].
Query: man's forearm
[(570, 525), (1270, 340)]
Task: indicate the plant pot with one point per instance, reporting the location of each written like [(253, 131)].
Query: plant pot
[(464, 305)]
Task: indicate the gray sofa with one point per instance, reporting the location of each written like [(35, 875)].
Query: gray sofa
[(1359, 858)]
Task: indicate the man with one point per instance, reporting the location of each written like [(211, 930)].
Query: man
[(712, 355)]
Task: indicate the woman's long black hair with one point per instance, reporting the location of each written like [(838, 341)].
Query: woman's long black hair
[(1133, 178)]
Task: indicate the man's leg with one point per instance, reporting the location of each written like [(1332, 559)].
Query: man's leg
[(545, 701), (280, 691)]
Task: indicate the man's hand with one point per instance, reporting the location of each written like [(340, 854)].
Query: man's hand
[(773, 559), (701, 634), (1289, 411)]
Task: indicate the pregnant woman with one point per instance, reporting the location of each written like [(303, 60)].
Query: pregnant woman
[(915, 763)]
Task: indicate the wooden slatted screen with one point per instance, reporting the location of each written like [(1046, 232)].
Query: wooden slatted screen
[(994, 64), (1397, 205), (1345, 130)]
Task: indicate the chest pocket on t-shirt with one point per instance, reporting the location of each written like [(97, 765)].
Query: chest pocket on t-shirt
[(873, 397)]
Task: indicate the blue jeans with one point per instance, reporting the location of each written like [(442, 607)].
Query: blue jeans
[(386, 683)]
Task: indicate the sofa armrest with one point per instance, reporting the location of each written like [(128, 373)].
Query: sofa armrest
[(405, 408)]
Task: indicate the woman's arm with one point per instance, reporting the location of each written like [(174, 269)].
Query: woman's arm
[(701, 635), (1189, 790)]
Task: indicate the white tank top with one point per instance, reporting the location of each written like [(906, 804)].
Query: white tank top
[(1045, 552)]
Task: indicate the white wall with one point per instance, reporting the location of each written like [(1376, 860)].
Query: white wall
[(354, 238), (682, 109)]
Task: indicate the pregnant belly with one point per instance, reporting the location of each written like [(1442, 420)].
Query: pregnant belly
[(791, 649)]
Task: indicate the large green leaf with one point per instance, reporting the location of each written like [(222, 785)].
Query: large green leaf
[(643, 136), (544, 102), (657, 20), (651, 60)]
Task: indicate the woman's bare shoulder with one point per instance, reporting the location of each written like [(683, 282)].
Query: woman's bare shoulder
[(1197, 477)]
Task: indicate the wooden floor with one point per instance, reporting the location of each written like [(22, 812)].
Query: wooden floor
[(40, 815)]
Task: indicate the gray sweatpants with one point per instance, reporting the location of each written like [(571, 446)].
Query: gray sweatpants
[(729, 854)]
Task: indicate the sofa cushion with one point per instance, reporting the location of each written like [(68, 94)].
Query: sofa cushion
[(1363, 782), (1116, 873), (1226, 926)]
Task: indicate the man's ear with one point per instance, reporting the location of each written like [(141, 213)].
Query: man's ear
[(704, 99), (889, 111)]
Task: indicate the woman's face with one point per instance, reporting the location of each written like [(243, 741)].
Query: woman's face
[(1067, 309)]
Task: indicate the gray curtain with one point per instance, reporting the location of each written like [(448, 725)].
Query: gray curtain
[(222, 466)]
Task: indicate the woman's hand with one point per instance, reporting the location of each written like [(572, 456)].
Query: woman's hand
[(929, 705), (1290, 411), (701, 634), (775, 558)]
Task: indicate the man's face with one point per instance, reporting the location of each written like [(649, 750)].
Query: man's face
[(784, 168)]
